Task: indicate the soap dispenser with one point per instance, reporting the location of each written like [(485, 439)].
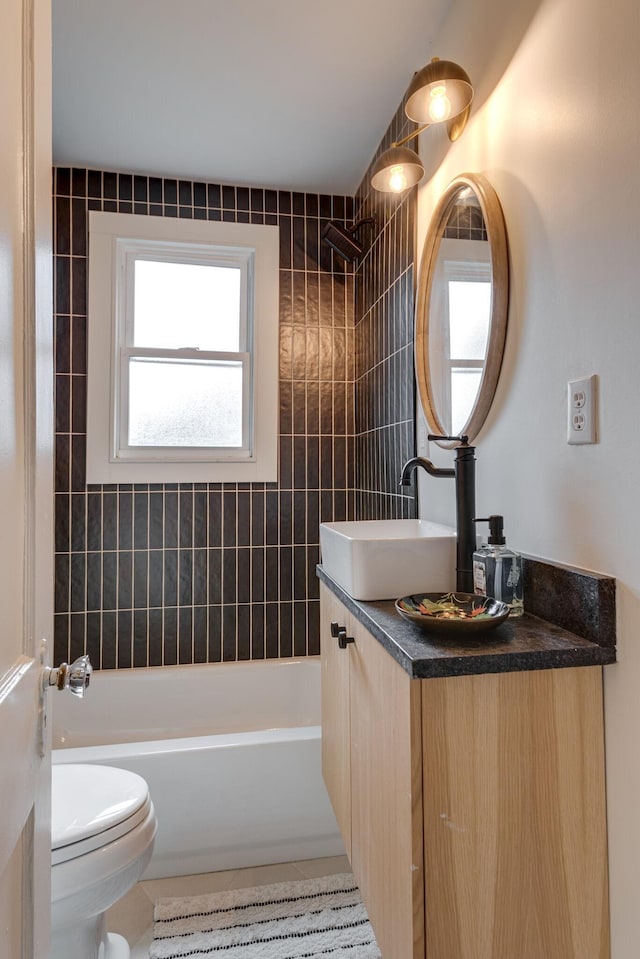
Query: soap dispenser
[(497, 570)]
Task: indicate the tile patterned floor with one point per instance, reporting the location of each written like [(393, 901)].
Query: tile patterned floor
[(132, 917)]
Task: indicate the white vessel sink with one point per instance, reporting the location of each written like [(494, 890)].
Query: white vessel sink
[(386, 559)]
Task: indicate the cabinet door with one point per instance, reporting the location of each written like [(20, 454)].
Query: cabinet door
[(514, 821), (386, 797), (336, 732)]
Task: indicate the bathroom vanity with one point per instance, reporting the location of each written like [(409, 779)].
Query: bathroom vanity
[(468, 783)]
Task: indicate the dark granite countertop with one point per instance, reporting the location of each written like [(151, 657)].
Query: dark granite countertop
[(520, 644)]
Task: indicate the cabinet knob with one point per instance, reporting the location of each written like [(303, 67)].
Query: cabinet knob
[(343, 639), (340, 633)]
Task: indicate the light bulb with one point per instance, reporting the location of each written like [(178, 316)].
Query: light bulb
[(397, 179), (440, 105)]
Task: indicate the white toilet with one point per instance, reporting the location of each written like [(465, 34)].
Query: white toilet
[(103, 826)]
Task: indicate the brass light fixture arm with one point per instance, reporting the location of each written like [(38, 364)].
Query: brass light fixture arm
[(455, 126), (411, 136)]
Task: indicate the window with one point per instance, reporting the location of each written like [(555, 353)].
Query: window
[(462, 314), (469, 297), (183, 350)]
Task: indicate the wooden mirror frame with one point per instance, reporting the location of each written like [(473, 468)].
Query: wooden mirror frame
[(497, 237)]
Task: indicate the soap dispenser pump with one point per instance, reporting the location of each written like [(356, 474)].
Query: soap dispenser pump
[(497, 570)]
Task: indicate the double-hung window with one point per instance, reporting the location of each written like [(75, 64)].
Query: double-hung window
[(461, 311), (183, 350)]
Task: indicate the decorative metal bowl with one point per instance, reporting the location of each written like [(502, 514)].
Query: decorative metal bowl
[(460, 614)]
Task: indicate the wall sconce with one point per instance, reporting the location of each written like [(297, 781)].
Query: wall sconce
[(439, 93)]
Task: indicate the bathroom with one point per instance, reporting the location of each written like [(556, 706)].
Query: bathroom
[(560, 151)]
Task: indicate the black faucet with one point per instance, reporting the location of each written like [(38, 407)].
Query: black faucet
[(465, 477)]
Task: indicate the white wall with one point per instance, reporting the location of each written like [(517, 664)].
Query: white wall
[(555, 127)]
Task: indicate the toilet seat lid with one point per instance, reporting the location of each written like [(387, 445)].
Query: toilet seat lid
[(87, 800)]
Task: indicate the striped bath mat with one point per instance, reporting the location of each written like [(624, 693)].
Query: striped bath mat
[(310, 919)]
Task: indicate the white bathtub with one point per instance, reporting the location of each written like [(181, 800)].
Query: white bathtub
[(231, 753)]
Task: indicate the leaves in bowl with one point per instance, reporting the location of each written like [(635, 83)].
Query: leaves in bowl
[(460, 612), (448, 607)]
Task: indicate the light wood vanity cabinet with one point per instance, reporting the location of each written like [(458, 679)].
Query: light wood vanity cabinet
[(472, 807)]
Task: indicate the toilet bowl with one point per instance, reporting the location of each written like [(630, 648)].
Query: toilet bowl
[(103, 826)]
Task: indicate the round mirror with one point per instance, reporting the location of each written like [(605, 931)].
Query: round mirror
[(461, 308)]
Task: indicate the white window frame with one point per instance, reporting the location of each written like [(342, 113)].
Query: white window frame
[(115, 242)]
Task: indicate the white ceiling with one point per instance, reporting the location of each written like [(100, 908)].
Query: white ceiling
[(287, 94)]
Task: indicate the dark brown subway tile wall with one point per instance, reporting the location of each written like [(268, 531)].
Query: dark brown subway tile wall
[(465, 222), (148, 575), (384, 342)]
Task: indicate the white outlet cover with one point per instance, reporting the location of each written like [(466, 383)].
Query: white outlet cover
[(581, 410)]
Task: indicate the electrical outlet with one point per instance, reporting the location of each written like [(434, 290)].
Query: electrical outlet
[(581, 407)]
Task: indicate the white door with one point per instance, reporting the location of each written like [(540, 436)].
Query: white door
[(26, 490)]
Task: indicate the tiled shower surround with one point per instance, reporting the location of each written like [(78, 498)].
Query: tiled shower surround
[(150, 575), (165, 574), (384, 378)]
